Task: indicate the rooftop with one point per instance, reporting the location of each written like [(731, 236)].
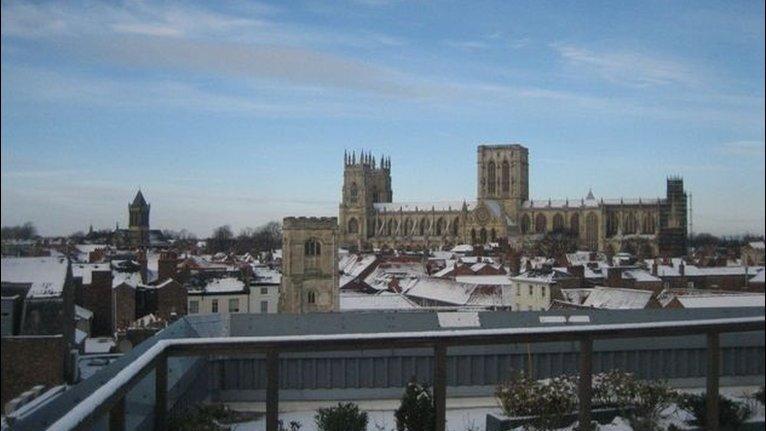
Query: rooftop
[(45, 275)]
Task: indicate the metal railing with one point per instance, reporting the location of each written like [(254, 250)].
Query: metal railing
[(110, 397)]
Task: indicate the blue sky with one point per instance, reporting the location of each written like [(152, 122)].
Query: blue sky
[(238, 113)]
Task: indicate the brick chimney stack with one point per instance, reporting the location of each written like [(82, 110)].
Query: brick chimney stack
[(144, 264), (167, 266), (613, 277)]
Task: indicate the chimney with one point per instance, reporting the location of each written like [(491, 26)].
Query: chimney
[(141, 257), (682, 269), (167, 266), (613, 276), (578, 272), (655, 268)]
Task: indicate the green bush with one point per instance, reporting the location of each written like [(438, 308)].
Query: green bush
[(343, 417), (549, 400), (731, 414), (416, 411)]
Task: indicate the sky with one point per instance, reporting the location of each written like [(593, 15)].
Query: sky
[(239, 112)]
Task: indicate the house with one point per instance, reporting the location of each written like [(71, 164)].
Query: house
[(39, 330), (753, 253), (532, 290)]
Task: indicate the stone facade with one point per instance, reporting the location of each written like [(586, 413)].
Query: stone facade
[(309, 265), (368, 216)]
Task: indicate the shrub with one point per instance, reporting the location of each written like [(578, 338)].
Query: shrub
[(731, 414), (417, 411), (343, 417), (614, 388), (759, 396), (549, 400)]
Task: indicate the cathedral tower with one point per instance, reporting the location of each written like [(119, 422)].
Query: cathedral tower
[(503, 175), (138, 221), (366, 181), (673, 219), (309, 265)]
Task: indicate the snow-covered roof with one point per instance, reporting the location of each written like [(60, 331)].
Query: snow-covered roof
[(758, 245), (99, 345), (760, 277), (442, 290), (130, 278), (617, 298), (489, 280), (462, 248), (587, 203), (384, 273), (224, 285), (582, 257), (264, 275), (82, 312), (575, 296), (353, 265), (698, 271), (640, 275), (79, 336), (85, 270), (380, 301), (45, 275), (88, 248), (486, 295), (722, 301), (541, 276), (421, 206)]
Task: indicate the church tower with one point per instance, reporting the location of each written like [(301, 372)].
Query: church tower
[(503, 175), (310, 281), (138, 221), (673, 219), (366, 181)]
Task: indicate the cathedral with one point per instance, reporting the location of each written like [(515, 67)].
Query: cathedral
[(369, 217)]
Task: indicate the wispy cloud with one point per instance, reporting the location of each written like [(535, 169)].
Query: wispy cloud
[(743, 148), (629, 68)]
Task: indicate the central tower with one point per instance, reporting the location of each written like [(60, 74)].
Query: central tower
[(503, 175), (138, 221)]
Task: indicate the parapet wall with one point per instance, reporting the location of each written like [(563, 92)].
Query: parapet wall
[(310, 223)]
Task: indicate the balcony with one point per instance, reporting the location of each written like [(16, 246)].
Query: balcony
[(265, 357)]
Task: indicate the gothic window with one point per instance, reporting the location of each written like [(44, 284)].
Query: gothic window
[(353, 226), (455, 227), (408, 226), (505, 176), (540, 223), (648, 225), (525, 224), (558, 222), (473, 236), (311, 297), (574, 224), (631, 224), (591, 231), (353, 192), (483, 236), (375, 195), (493, 235), (612, 224), (491, 180), (390, 228), (440, 226), (422, 228), (312, 247)]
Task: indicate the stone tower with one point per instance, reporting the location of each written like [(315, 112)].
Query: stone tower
[(138, 222), (365, 181), (503, 175), (673, 219), (309, 265)]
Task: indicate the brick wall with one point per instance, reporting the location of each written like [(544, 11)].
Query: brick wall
[(171, 299), (97, 297), (124, 299), (27, 362)]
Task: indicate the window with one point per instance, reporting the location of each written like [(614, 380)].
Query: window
[(193, 307), (491, 178), (312, 248), (264, 290), (518, 291), (542, 292), (214, 306), (264, 306), (353, 226), (531, 290), (234, 305), (311, 297)]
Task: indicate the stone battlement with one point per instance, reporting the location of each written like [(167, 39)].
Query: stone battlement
[(309, 223)]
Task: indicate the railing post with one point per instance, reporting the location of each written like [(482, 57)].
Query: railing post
[(117, 416), (711, 395), (272, 390), (440, 386), (161, 392), (584, 384)]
